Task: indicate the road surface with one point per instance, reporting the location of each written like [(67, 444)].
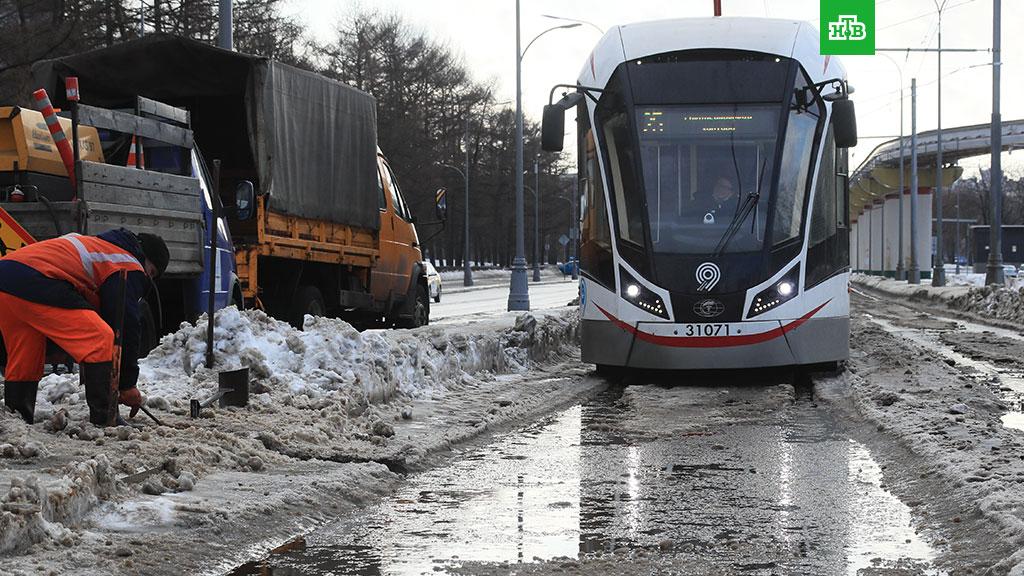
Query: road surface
[(488, 301), (747, 474)]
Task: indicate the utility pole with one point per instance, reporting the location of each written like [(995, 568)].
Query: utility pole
[(939, 266), (224, 33), (467, 271), (994, 271), (915, 271)]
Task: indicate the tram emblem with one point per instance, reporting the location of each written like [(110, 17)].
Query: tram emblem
[(708, 308), (708, 275)]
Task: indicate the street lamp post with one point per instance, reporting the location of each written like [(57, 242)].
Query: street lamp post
[(519, 286), (536, 218), (467, 269)]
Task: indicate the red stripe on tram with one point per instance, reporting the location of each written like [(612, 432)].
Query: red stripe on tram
[(712, 341)]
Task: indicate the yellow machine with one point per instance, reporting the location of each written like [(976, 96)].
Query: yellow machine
[(27, 150)]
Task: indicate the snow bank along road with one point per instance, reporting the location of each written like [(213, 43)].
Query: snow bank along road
[(909, 463)]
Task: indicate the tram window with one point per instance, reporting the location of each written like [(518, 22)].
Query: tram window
[(824, 209), (596, 258), (796, 156), (628, 204)]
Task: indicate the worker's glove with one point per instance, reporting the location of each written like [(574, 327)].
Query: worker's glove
[(133, 398)]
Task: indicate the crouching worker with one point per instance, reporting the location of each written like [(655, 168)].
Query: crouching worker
[(67, 289)]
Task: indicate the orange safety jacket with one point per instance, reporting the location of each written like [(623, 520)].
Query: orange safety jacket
[(86, 262)]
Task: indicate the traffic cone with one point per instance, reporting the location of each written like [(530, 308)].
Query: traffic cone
[(132, 160)]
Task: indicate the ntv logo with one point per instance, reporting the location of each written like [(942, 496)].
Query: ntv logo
[(847, 28)]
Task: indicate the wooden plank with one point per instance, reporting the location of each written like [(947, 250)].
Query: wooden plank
[(164, 111), (131, 124), (144, 213), (168, 233), (139, 198), (133, 178)]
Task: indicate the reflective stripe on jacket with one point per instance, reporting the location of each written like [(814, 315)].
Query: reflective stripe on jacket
[(84, 261)]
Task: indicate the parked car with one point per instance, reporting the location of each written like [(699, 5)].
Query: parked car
[(1009, 271), (433, 281)]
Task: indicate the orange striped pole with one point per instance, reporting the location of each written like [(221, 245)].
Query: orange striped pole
[(63, 146)]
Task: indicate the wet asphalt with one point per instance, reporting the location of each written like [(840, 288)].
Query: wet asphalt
[(737, 478)]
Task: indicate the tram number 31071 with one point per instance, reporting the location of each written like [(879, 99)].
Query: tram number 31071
[(705, 330)]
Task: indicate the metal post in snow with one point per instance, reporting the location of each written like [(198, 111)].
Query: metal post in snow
[(212, 268), (915, 271)]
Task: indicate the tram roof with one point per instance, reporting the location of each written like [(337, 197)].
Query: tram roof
[(790, 38)]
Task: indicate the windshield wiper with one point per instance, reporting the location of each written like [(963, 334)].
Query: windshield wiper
[(744, 210)]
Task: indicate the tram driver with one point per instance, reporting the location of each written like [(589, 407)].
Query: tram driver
[(723, 201)]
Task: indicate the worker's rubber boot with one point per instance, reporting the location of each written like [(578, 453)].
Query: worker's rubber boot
[(21, 398), (96, 378)]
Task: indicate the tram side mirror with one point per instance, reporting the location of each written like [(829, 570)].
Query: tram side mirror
[(245, 196), (844, 123), (552, 132)]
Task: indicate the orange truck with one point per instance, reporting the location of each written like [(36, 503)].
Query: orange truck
[(316, 218)]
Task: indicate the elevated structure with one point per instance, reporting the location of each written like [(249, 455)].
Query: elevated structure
[(874, 192)]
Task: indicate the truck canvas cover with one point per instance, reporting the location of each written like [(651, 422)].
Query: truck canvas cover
[(307, 141)]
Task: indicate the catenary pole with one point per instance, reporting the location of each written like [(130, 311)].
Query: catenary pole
[(994, 271), (915, 271)]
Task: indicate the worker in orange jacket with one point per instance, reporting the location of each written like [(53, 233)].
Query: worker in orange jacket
[(67, 289)]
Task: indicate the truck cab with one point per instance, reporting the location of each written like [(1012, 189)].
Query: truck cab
[(399, 247)]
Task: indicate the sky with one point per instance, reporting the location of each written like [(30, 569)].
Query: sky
[(483, 31)]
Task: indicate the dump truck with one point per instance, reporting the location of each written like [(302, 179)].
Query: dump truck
[(328, 231)]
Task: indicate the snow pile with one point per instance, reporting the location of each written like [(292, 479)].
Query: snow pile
[(968, 279), (329, 355), (995, 302), (34, 510)]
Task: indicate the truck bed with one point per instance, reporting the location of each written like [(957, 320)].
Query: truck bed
[(161, 204), (280, 235)]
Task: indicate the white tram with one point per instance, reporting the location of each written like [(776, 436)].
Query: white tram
[(712, 152)]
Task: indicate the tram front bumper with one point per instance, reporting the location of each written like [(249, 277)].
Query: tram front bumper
[(660, 345)]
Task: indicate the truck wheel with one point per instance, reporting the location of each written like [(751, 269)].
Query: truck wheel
[(149, 338), (308, 300), (420, 310)]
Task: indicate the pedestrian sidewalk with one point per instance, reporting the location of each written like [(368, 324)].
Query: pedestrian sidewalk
[(902, 289)]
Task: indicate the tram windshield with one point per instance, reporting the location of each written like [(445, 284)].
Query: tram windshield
[(716, 166), (707, 175)]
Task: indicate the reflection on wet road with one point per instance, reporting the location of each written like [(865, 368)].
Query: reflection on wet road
[(738, 479)]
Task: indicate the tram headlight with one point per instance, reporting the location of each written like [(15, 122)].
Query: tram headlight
[(781, 291), (636, 294)]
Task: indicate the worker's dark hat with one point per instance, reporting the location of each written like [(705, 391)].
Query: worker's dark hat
[(155, 250)]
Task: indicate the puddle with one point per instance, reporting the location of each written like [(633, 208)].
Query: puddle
[(794, 494), (1007, 383)]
